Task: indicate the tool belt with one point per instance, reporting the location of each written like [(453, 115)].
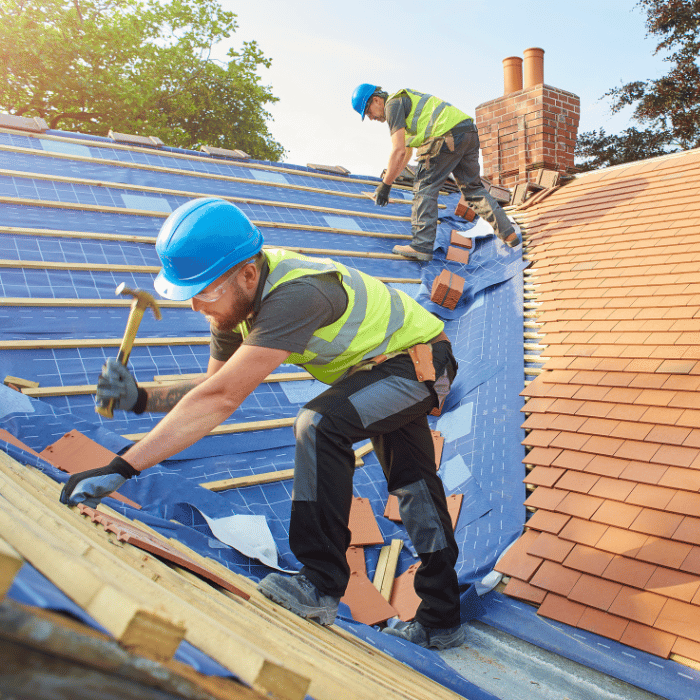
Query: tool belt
[(422, 358)]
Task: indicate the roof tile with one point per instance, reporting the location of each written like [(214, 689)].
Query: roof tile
[(688, 530), (676, 456), (679, 618), (643, 472), (647, 639), (633, 449), (629, 571), (603, 623), (543, 476), (686, 649), (663, 552), (594, 592), (572, 460), (545, 521), (673, 584), (681, 479), (606, 466), (559, 608), (692, 562), (620, 541), (578, 504), (588, 559), (525, 591), (548, 546), (516, 562), (640, 606), (657, 523), (544, 497), (580, 482), (556, 578), (617, 514), (583, 531), (651, 496), (615, 489), (541, 456), (684, 502), (668, 434)]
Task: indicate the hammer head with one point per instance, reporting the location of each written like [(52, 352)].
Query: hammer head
[(142, 299)]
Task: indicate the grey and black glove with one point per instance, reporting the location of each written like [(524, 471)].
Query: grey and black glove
[(91, 486), (116, 383), (381, 194)]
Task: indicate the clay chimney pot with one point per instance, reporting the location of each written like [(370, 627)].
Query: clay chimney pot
[(534, 67), (512, 74)]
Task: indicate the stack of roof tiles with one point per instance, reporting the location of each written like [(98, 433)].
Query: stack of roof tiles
[(613, 420)]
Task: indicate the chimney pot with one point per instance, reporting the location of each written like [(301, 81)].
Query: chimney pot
[(512, 74), (534, 67)]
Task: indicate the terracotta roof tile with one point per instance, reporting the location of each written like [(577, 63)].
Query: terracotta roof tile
[(539, 438), (685, 503), (629, 571), (687, 649), (651, 496), (636, 450), (616, 489), (643, 472), (692, 562), (619, 541), (674, 584), (688, 531), (668, 434), (578, 504), (543, 476), (556, 578), (627, 430), (546, 521), (543, 497), (577, 481), (647, 639), (664, 552), (606, 466), (640, 606), (674, 455), (594, 592), (689, 418), (548, 546), (538, 420), (541, 456), (617, 514), (657, 523), (679, 618), (516, 562), (559, 608), (681, 479), (570, 423), (524, 591), (569, 441), (572, 460), (583, 532), (537, 405), (588, 559), (602, 623)]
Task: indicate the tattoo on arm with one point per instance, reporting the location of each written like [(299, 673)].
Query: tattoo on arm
[(162, 399)]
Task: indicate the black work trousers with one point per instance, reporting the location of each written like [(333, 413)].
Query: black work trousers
[(389, 405)]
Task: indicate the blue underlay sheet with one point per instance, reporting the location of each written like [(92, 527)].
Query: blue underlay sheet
[(482, 454)]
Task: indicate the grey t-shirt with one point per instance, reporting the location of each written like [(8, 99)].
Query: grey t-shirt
[(396, 110), (288, 317)]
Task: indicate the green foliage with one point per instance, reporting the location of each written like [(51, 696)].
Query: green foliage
[(135, 66), (669, 106)]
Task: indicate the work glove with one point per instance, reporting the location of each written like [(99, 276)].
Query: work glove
[(381, 194), (116, 383), (91, 486)]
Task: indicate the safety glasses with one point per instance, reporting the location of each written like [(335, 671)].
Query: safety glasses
[(216, 293)]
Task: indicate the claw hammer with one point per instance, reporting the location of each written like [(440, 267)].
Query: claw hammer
[(141, 301)]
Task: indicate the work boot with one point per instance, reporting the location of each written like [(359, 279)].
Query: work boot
[(428, 637), (298, 594), (409, 252)]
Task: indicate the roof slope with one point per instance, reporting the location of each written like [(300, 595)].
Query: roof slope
[(80, 215), (613, 541)]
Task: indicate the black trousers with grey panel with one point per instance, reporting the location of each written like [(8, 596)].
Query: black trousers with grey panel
[(388, 405)]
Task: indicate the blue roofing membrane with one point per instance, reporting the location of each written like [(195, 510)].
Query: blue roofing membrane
[(482, 456)]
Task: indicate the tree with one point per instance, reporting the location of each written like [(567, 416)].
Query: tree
[(668, 106), (135, 66)]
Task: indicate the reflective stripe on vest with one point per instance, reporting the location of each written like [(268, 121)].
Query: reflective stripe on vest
[(378, 319), (430, 117)]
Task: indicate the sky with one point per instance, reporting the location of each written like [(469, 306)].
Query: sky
[(322, 49)]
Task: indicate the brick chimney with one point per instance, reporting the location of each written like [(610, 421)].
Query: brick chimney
[(531, 127)]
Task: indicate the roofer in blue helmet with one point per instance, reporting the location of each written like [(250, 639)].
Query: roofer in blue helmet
[(447, 143), (387, 361)]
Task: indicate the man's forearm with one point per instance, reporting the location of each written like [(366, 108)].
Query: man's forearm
[(398, 160), (164, 398)]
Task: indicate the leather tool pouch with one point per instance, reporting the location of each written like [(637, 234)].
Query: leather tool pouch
[(422, 357), (429, 149)]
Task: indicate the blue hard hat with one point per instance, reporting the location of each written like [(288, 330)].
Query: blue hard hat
[(200, 241), (361, 96)]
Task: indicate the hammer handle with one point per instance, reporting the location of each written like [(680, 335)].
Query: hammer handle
[(106, 408)]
